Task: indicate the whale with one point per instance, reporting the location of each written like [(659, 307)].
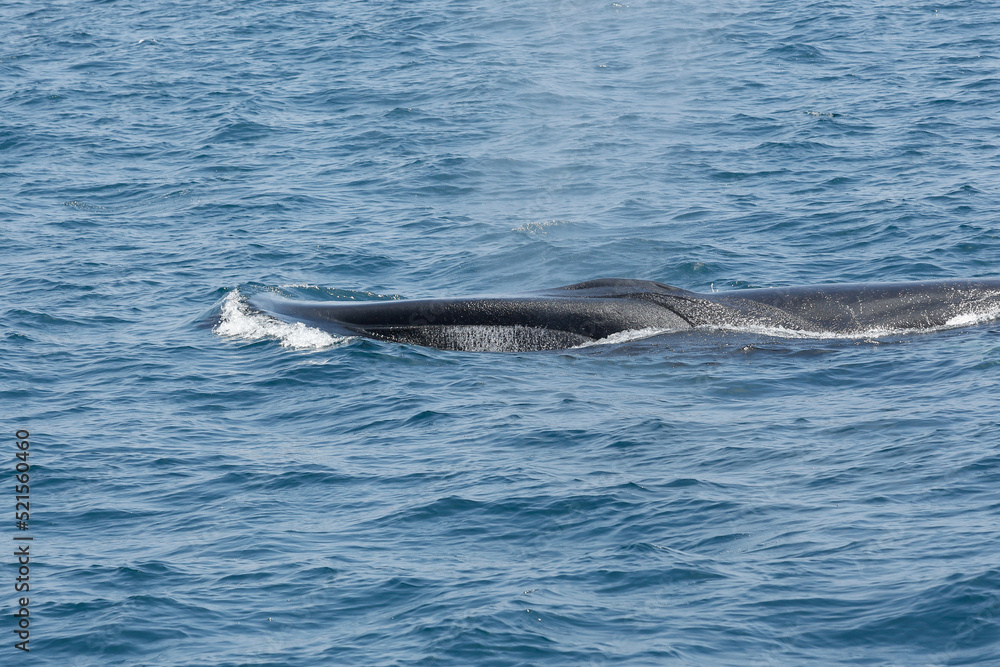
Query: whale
[(601, 310)]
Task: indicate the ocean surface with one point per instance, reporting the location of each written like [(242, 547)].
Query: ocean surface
[(212, 487)]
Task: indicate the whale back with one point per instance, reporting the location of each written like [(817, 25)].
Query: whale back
[(847, 308), (553, 319), (593, 310)]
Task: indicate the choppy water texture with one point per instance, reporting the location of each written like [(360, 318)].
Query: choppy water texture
[(270, 496)]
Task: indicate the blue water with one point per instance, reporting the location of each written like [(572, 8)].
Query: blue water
[(256, 495)]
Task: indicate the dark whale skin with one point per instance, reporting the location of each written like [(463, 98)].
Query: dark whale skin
[(590, 311)]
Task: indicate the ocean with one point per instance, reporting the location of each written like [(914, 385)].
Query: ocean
[(212, 487)]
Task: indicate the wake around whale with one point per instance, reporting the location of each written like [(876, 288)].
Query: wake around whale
[(597, 310)]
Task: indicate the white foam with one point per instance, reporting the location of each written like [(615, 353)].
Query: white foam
[(775, 332), (784, 332), (627, 336), (538, 227), (968, 319), (961, 320), (239, 321)]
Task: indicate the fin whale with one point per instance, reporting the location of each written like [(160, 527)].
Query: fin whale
[(596, 309)]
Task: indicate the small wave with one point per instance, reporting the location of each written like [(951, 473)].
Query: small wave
[(239, 321)]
